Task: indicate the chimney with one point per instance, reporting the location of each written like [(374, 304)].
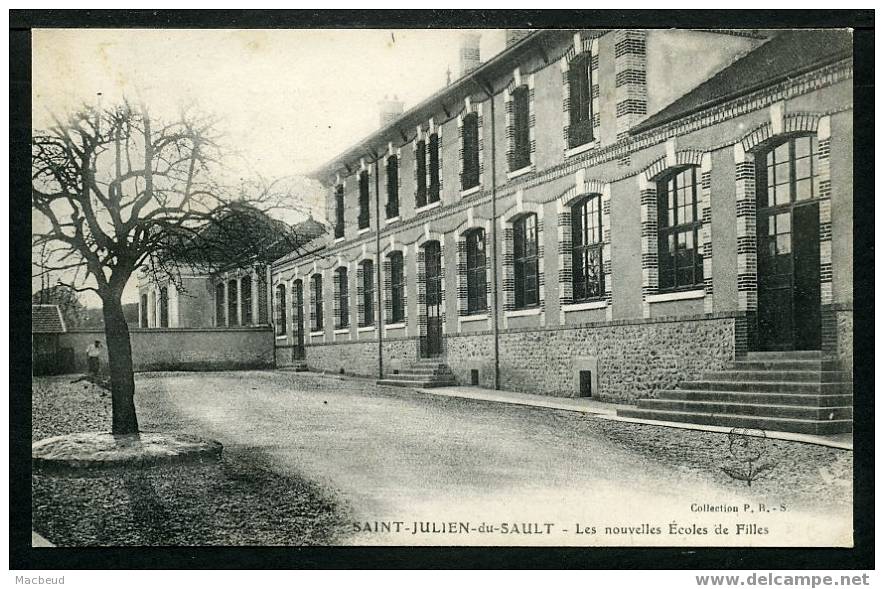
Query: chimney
[(389, 109), (469, 52), (513, 36)]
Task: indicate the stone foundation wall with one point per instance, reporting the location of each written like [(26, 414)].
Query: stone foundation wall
[(361, 357), (628, 360)]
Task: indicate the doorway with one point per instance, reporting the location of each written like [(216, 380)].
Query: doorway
[(433, 283)]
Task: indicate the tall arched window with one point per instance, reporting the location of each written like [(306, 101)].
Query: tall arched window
[(525, 261), (281, 315), (678, 224), (477, 300), (232, 303), (397, 288), (586, 253), (316, 287), (144, 323), (246, 297), (220, 305), (367, 293), (164, 307), (343, 291)]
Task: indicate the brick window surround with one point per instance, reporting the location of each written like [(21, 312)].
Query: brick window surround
[(465, 170), (427, 169), (520, 118), (470, 228), (395, 285), (366, 295), (339, 211), (674, 161), (426, 238), (341, 302), (582, 53), (280, 314), (316, 302), (393, 181), (507, 221), (364, 218)]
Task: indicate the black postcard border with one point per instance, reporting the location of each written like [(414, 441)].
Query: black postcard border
[(23, 556)]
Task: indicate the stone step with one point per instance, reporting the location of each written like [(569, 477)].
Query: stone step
[(759, 386), (774, 375), (782, 424), (814, 364), (422, 370), (758, 397), (750, 409), (415, 384), (784, 355), (420, 377)]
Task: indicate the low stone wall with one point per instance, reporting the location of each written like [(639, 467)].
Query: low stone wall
[(232, 348), (361, 357), (625, 360)]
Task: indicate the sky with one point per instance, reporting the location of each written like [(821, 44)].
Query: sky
[(287, 100)]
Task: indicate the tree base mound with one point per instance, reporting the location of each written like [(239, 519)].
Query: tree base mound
[(103, 450)]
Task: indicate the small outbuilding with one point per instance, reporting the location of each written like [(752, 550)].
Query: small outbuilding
[(47, 325)]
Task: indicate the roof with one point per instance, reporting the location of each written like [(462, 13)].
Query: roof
[(505, 61), (46, 319), (787, 54)]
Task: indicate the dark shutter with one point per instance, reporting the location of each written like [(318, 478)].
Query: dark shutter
[(521, 130), (420, 155), (339, 211), (392, 187), (470, 176)]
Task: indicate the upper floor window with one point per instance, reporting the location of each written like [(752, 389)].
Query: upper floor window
[(246, 296), (164, 307), (316, 287), (364, 202), (367, 293), (521, 154), (678, 225), (476, 267), (220, 305), (280, 310), (525, 261), (420, 173), (787, 173), (435, 178), (580, 101), (392, 187), (397, 287), (232, 302), (586, 240), (470, 176), (339, 211), (343, 291)]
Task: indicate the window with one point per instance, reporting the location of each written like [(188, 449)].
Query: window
[(220, 305), (525, 261), (788, 172), (586, 253), (246, 296), (680, 262), (435, 181), (420, 173), (579, 101), (164, 307), (342, 285), (367, 293), (339, 211), (470, 176), (316, 286), (397, 288), (392, 187), (232, 301), (477, 300), (281, 319), (144, 311), (364, 214), (521, 157)]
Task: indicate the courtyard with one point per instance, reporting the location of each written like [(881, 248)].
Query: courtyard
[(319, 459)]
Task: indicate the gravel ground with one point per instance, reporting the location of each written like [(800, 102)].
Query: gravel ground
[(378, 453), (238, 500)]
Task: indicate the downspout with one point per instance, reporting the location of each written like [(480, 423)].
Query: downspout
[(495, 303), (377, 265)]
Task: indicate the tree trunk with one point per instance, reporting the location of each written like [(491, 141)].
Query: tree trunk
[(119, 354)]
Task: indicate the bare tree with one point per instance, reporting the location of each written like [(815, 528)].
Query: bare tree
[(121, 191)]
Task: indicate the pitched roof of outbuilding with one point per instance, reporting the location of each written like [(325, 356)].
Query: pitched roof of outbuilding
[(47, 319), (785, 55)]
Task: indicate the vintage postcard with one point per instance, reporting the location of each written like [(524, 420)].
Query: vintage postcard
[(461, 287)]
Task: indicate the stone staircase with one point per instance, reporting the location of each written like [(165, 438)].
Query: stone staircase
[(801, 392), (424, 373)]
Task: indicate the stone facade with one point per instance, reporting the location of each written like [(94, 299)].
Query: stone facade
[(632, 337)]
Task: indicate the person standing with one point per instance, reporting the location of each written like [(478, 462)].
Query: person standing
[(93, 356)]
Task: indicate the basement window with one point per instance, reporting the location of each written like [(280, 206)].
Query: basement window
[(585, 383)]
